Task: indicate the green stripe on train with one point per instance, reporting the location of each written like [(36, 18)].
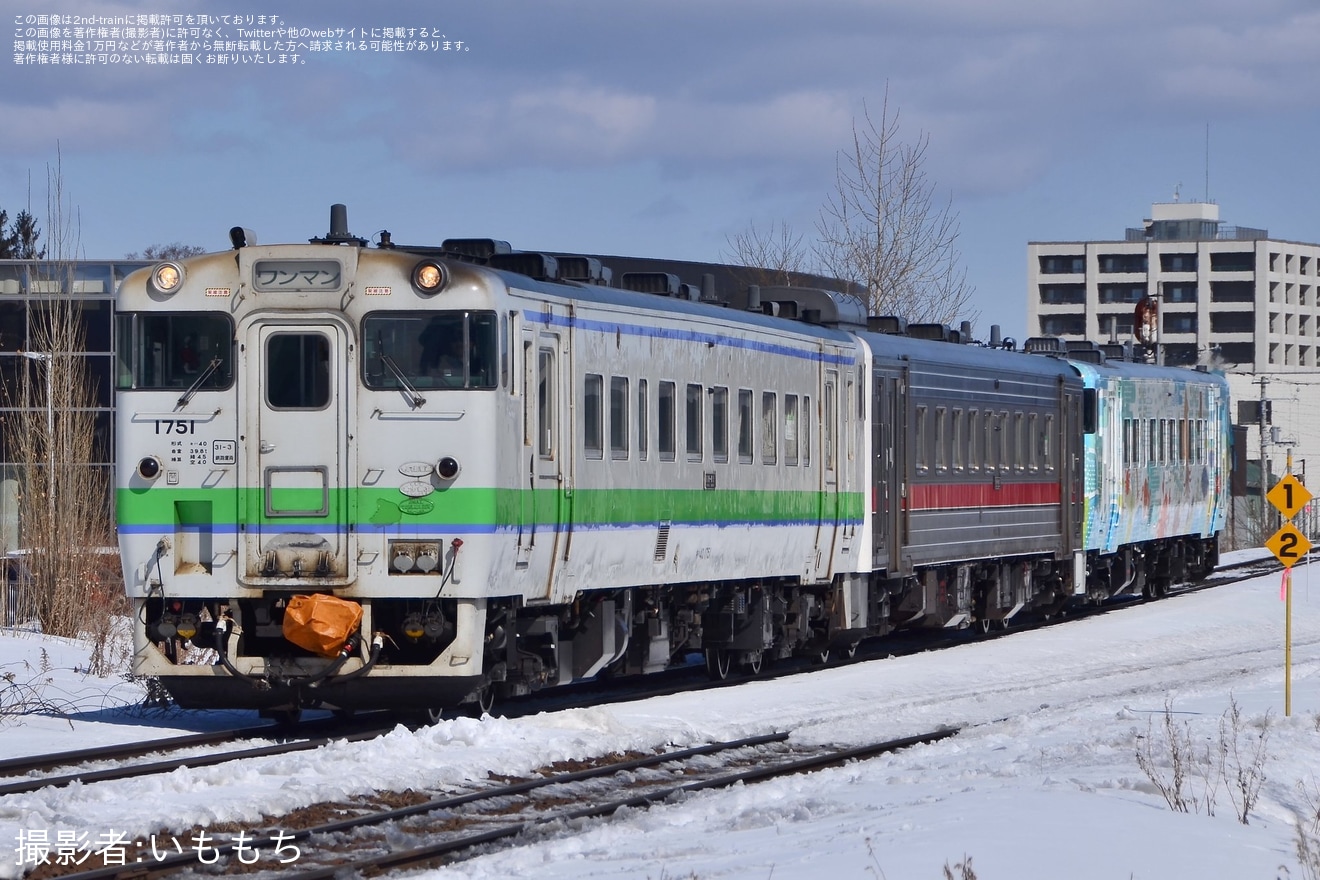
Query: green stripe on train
[(184, 507)]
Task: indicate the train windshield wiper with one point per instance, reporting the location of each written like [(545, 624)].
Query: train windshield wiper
[(197, 383), (417, 399)]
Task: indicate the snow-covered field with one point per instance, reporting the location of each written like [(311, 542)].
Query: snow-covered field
[(1043, 782)]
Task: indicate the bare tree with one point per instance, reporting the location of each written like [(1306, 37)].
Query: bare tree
[(771, 255), (173, 251), (63, 498), (882, 228)]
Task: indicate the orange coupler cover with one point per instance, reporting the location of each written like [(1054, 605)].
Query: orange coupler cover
[(321, 623)]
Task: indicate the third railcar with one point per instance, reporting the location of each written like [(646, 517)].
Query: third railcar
[(468, 471)]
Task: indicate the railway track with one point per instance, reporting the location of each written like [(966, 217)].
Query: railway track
[(449, 827), (16, 778)]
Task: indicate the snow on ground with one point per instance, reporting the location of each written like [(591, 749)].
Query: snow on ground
[(1042, 780)]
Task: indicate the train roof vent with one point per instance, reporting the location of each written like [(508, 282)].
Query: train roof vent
[(542, 267), (475, 248), (1073, 345), (937, 332), (662, 283), (1087, 355), (1117, 351), (890, 324), (588, 270), (1044, 345)]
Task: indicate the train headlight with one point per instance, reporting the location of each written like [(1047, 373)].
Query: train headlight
[(447, 468), (429, 277), (403, 560), (187, 625), (167, 628), (167, 278), (413, 627), (149, 468)]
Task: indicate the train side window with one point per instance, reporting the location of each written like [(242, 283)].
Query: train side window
[(941, 438), (806, 431), (1047, 442), (297, 371), (1034, 443), (1018, 442), (973, 435), (1005, 448), (545, 406), (666, 441), (827, 427), (719, 424), (769, 427), (1152, 441), (745, 422), (956, 438), (919, 440), (643, 414), (791, 430), (592, 433), (694, 409), (618, 417)]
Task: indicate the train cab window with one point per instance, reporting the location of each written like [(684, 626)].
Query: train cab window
[(593, 442), (545, 403), (693, 400), (297, 371), (769, 428), (431, 350), (719, 424), (745, 443), (791, 433), (618, 417), (169, 351), (827, 427), (667, 438)]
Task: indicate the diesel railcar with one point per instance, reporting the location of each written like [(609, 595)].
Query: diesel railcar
[(412, 477)]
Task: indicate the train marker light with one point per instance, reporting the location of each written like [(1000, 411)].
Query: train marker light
[(166, 278), (447, 468), (187, 626), (149, 468), (429, 277)]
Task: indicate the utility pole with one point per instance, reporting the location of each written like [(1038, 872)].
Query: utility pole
[(1263, 381)]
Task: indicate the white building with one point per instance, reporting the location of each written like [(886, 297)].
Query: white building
[(1228, 296)]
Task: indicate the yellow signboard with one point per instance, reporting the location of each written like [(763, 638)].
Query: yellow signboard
[(1289, 496), (1288, 545)]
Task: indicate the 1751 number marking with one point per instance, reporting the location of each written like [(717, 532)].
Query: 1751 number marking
[(176, 426)]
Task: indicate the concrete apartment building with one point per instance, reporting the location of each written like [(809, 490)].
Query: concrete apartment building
[(1229, 297)]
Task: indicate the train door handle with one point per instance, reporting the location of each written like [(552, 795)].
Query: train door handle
[(267, 447)]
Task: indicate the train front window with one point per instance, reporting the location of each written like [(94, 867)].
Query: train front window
[(169, 351), (431, 350)]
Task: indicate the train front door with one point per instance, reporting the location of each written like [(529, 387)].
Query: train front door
[(548, 485), (294, 418)]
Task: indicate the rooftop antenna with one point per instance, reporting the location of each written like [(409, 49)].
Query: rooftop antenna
[(1207, 163), (1177, 191)]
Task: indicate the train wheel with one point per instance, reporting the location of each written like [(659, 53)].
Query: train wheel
[(822, 656), (753, 662), (430, 715), (485, 701), (719, 662), (850, 651), (984, 625)]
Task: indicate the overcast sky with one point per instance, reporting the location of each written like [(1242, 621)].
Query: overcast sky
[(661, 128)]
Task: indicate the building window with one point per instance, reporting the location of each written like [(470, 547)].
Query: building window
[(1112, 263), (1238, 352), (1063, 325), (1179, 322), (1233, 261), (1121, 293), (1232, 292), (1179, 293), (1232, 322), (1178, 262), (1071, 264), (1063, 294)]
